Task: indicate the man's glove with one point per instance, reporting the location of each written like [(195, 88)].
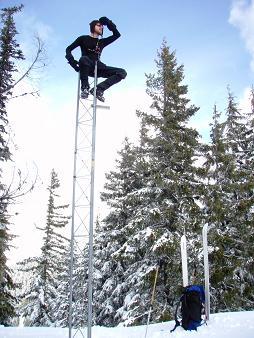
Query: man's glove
[(74, 64), (105, 21), (111, 26)]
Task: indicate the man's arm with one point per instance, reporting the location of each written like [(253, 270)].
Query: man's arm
[(112, 27), (69, 56)]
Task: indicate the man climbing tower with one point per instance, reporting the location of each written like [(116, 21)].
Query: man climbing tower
[(91, 47)]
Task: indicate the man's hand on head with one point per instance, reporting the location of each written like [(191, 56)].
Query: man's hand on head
[(107, 22)]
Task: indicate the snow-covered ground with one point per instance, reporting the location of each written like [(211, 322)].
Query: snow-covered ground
[(222, 325)]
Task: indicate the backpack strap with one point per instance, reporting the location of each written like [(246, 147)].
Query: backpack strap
[(176, 320)]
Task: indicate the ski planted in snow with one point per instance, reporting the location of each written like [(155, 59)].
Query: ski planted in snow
[(184, 261), (206, 271)]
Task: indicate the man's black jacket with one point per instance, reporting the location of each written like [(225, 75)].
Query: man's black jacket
[(91, 47)]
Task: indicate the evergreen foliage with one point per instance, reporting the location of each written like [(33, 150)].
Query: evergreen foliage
[(170, 184), (229, 200), (60, 306), (80, 288), (9, 52), (38, 303), (169, 207), (147, 218), (121, 195), (167, 185)]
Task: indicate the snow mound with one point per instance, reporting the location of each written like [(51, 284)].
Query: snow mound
[(221, 325)]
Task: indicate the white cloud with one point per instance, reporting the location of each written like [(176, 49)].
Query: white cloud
[(245, 101), (242, 17), (29, 26)]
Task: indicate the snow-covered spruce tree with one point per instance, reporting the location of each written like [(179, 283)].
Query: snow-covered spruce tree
[(217, 199), (9, 52), (60, 306), (29, 291), (240, 137), (228, 199), (121, 196), (248, 254), (38, 302), (163, 203), (168, 205), (80, 288)]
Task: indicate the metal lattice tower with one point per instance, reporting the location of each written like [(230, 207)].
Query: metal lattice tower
[(83, 195)]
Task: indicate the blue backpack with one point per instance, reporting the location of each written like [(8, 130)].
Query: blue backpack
[(192, 304)]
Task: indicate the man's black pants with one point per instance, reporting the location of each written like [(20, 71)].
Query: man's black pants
[(112, 74)]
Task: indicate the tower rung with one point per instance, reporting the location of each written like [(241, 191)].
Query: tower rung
[(100, 106)]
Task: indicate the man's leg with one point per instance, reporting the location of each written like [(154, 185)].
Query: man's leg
[(86, 67), (113, 75)]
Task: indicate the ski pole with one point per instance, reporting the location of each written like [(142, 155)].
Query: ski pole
[(152, 300)]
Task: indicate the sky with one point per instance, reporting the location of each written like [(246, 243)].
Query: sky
[(214, 40)]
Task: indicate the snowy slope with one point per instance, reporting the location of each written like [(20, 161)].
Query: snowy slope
[(222, 325)]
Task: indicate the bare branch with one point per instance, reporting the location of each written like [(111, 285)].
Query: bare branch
[(39, 53), (17, 189), (34, 93)]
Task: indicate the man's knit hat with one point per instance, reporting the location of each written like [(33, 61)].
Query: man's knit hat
[(93, 24)]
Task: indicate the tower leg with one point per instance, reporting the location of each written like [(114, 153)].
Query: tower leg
[(73, 212), (91, 223)]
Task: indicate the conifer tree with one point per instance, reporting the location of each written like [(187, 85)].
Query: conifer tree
[(239, 135), (229, 199), (169, 205), (214, 167), (60, 306), (80, 288), (248, 167), (9, 52), (217, 202), (121, 196), (162, 204), (39, 301), (31, 302)]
